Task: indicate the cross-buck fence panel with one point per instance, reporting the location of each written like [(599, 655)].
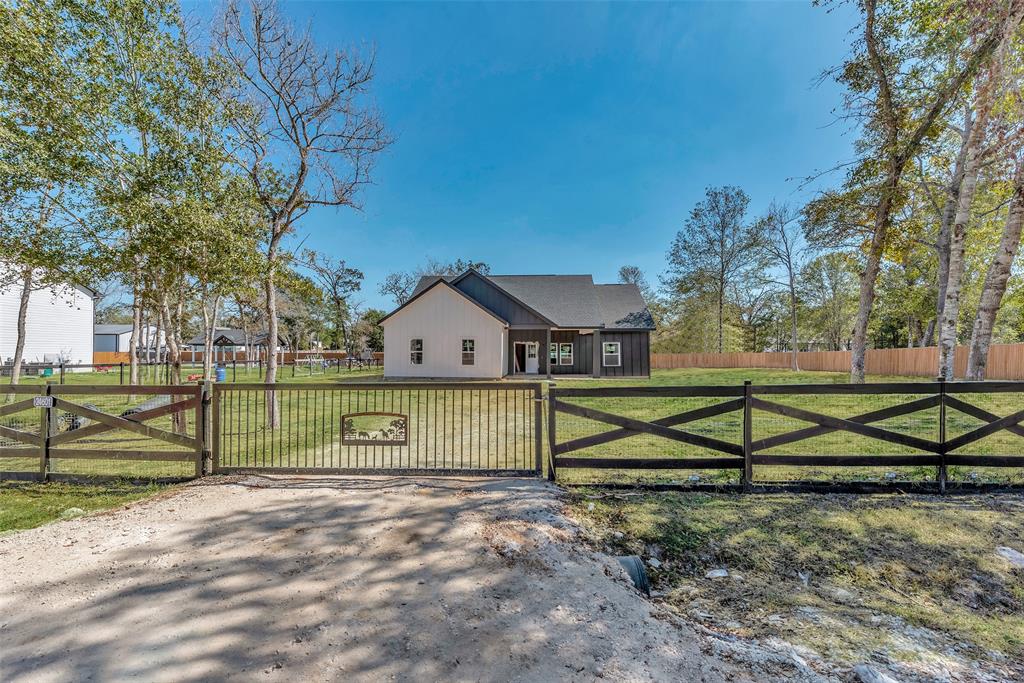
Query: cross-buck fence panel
[(763, 433), (73, 431), (379, 427)]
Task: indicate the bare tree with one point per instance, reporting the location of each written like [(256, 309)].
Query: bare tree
[(309, 134), (338, 282), (401, 284), (782, 245), (632, 275)]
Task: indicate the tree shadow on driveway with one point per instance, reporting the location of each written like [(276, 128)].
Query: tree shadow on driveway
[(314, 578)]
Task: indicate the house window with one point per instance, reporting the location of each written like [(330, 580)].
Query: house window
[(468, 351), (553, 353), (612, 354), (416, 351), (565, 354)]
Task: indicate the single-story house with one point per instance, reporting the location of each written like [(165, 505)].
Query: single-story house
[(228, 341), (58, 324), (492, 326), (115, 338)]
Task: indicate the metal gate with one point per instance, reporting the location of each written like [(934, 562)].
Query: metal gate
[(342, 428)]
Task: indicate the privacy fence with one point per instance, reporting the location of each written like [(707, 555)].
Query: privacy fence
[(1005, 361), (937, 432)]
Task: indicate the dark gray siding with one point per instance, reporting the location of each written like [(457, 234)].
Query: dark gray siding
[(496, 301), (582, 352), (636, 354), (539, 336)]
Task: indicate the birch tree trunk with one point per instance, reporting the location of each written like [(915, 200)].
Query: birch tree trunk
[(995, 281), (942, 240), (948, 323), (133, 341), (19, 345), (209, 327)]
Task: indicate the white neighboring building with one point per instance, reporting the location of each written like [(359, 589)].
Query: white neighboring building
[(59, 324), (446, 335)]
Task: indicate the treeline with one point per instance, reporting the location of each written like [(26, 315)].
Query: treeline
[(175, 163), (916, 245)]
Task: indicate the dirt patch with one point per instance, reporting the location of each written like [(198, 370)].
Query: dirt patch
[(335, 577), (922, 588)]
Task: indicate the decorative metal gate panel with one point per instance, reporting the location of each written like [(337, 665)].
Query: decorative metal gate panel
[(469, 427)]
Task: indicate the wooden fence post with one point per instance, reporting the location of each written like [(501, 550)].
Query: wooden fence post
[(942, 434), (748, 463), (538, 428), (551, 432), (47, 428), (205, 464)]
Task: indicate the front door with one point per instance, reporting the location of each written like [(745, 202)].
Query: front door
[(526, 356), (532, 362)]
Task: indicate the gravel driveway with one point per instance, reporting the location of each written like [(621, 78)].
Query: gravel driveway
[(334, 578)]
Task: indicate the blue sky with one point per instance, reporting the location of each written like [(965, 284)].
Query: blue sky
[(571, 137)]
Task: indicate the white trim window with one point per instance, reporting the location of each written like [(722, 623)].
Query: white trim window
[(565, 354), (611, 354), (553, 353), (416, 351), (469, 352)]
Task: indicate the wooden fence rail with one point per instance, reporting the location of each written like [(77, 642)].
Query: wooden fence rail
[(931, 446), (1005, 361)]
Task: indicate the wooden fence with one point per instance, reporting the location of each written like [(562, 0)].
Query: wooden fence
[(892, 425), (1005, 361), (286, 358)]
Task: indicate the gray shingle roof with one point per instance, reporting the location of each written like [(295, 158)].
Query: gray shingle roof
[(228, 336), (427, 280), (111, 329), (567, 300), (622, 306), (571, 300)]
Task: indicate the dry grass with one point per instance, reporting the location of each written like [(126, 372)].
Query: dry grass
[(848, 576)]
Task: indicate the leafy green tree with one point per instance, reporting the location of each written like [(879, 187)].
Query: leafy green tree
[(716, 248)]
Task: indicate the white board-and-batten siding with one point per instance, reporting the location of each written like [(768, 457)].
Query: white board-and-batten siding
[(59, 323), (442, 318)]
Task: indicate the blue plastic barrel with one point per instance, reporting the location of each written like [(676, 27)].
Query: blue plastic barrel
[(222, 373)]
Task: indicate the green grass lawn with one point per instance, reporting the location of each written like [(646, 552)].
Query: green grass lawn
[(26, 505), (845, 575)]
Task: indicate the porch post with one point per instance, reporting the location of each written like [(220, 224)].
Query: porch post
[(596, 370), (547, 352)]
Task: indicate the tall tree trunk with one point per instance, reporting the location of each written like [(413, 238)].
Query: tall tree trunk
[(942, 240), (721, 319), (995, 281), (868, 279), (133, 341), (794, 339), (270, 292), (950, 319), (19, 345), (209, 333)]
